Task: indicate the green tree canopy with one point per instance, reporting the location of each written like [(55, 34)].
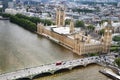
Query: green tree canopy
[(117, 61), (67, 22), (82, 10), (35, 19), (101, 32), (5, 15), (79, 24), (1, 9), (116, 38), (93, 54), (90, 27), (24, 23), (114, 48), (103, 21)]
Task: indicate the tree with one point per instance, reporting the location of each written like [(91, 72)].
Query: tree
[(116, 38), (93, 54), (115, 48), (118, 43), (24, 23), (22, 16), (79, 24), (82, 10), (67, 22), (29, 23), (90, 27), (1, 9), (35, 19), (103, 21), (5, 15), (117, 61), (101, 32)]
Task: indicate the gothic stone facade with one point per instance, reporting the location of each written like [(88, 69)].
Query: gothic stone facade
[(80, 43), (76, 42)]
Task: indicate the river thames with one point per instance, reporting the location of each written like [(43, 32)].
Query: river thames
[(21, 49)]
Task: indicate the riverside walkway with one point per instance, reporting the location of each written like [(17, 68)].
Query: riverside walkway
[(31, 73), (1, 18)]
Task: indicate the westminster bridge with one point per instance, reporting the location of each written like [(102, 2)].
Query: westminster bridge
[(34, 72)]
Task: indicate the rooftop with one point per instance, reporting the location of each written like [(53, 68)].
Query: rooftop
[(62, 30)]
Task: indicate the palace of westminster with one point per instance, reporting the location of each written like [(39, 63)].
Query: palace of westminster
[(74, 39)]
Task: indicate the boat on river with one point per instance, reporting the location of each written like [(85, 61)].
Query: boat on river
[(110, 74)]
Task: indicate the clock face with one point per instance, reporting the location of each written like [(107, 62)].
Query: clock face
[(106, 30), (110, 30)]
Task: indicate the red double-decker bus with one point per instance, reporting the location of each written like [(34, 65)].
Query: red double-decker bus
[(58, 63)]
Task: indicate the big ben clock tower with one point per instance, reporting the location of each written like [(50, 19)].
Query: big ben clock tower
[(107, 38)]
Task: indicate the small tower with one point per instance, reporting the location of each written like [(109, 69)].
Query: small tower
[(107, 38), (40, 28), (78, 44), (60, 16), (72, 26), (88, 39)]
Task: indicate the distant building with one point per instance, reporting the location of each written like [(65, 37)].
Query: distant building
[(5, 4), (11, 11), (118, 5), (10, 5), (76, 41), (115, 27)]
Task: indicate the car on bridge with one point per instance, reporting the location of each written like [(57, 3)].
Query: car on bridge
[(58, 63)]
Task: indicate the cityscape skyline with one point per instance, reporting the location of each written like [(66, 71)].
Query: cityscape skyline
[(84, 0), (78, 0)]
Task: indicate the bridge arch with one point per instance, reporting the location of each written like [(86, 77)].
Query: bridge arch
[(61, 70), (41, 75), (24, 78), (78, 66), (90, 64)]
